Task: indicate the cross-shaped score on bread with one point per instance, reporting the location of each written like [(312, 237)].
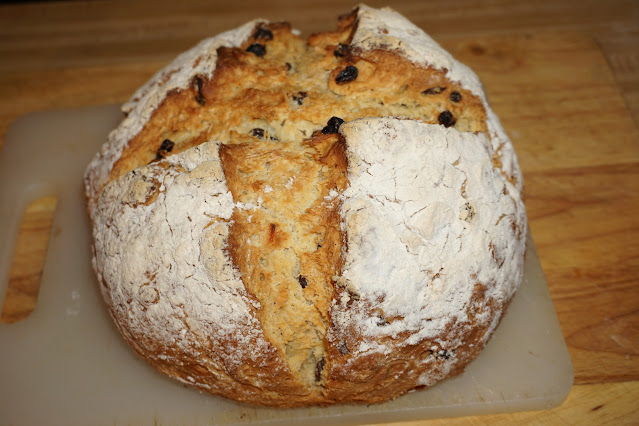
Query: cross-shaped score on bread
[(288, 221)]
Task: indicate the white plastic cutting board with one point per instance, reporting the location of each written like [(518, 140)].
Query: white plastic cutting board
[(67, 365)]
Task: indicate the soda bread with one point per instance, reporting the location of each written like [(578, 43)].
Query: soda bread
[(293, 222)]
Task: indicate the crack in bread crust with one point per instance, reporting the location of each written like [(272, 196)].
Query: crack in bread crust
[(294, 241)]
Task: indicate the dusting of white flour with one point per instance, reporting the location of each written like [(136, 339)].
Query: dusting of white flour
[(426, 214), (170, 277), (424, 211), (386, 29)]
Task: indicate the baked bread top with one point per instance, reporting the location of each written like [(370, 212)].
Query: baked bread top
[(290, 222)]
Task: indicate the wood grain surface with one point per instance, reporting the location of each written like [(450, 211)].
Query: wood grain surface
[(562, 75)]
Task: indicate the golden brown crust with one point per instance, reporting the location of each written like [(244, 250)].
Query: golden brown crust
[(247, 87), (294, 242)]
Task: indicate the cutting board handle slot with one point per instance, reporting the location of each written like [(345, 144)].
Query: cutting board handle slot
[(46, 154), (14, 204)]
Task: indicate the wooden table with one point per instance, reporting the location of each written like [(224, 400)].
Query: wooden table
[(571, 107)]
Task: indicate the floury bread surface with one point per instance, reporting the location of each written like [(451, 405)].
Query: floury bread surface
[(293, 222)]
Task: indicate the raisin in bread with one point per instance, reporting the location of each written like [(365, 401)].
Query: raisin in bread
[(292, 222)]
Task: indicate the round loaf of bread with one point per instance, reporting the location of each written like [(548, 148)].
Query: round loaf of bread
[(289, 222)]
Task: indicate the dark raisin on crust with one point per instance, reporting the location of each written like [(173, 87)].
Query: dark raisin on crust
[(263, 34), (446, 118), (199, 98), (332, 126), (257, 132), (302, 280), (299, 97), (318, 369), (271, 232), (455, 96), (165, 148), (340, 50), (347, 74), (434, 90), (167, 145), (257, 49), (342, 348)]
